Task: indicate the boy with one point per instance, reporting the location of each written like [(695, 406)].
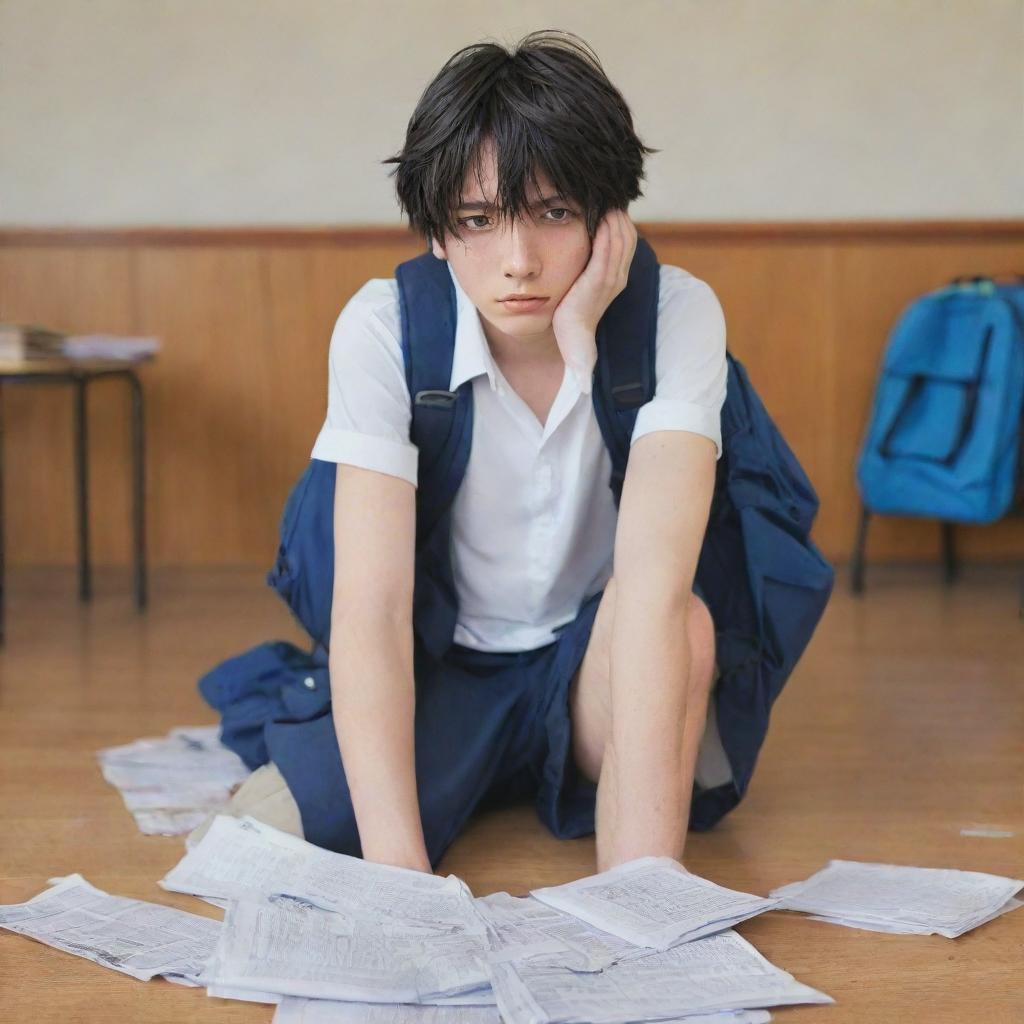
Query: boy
[(582, 657)]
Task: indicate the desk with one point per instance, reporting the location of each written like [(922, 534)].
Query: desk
[(78, 373)]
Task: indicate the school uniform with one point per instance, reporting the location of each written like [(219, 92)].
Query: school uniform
[(533, 527)]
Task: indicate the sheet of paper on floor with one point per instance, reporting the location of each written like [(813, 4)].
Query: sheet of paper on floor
[(521, 928), (169, 823), (319, 1011), (901, 899), (292, 1010), (718, 973), (131, 936), (241, 858), (172, 783), (304, 951), (653, 902)]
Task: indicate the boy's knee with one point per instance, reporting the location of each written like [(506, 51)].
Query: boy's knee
[(701, 633)]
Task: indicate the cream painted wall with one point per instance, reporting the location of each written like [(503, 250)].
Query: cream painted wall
[(202, 112)]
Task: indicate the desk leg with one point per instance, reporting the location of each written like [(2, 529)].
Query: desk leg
[(139, 489), (1, 515), (82, 488), (950, 568)]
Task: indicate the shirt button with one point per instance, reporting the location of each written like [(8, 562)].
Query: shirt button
[(309, 683)]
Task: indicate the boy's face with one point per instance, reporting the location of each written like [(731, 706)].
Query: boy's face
[(539, 254)]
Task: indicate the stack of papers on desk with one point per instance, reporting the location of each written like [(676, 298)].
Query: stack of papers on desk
[(172, 783), (905, 900), (109, 346), (136, 938), (654, 902)]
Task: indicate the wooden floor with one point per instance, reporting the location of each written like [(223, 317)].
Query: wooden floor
[(903, 725)]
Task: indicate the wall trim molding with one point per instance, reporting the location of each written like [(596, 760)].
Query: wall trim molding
[(782, 232)]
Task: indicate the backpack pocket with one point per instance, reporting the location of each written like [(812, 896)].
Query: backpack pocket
[(934, 410)]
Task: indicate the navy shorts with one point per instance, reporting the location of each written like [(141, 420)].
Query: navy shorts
[(490, 729)]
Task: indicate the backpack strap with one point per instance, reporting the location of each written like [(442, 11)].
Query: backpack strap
[(625, 372), (441, 419), (442, 430)]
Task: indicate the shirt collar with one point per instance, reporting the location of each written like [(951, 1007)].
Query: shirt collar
[(472, 353)]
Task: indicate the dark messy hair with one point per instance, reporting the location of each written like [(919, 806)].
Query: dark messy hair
[(546, 103)]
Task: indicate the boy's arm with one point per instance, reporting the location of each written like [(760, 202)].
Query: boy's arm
[(371, 661), (666, 499)]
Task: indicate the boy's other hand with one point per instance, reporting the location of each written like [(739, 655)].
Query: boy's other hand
[(576, 318)]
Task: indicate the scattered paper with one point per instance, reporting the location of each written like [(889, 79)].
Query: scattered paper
[(324, 1011), (245, 995), (169, 823), (131, 936), (302, 951), (711, 975), (320, 1011), (244, 859), (987, 832), (653, 902), (523, 928), (172, 783), (905, 900)]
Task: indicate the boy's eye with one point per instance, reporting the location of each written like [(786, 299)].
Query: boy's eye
[(566, 214)]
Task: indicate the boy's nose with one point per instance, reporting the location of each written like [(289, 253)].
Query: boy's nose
[(521, 259)]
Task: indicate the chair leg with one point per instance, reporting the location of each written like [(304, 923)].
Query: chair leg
[(2, 567), (81, 442), (949, 562), (857, 564), (139, 490)]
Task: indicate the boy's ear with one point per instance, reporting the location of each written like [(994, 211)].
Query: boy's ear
[(438, 249)]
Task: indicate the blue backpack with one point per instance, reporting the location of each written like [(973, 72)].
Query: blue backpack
[(765, 582), (944, 436)]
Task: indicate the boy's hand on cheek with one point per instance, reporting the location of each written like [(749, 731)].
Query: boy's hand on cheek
[(576, 318)]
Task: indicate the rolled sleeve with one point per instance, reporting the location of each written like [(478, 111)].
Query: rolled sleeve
[(368, 407), (670, 414), (367, 452), (690, 365)]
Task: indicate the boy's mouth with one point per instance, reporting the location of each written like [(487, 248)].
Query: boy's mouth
[(524, 304)]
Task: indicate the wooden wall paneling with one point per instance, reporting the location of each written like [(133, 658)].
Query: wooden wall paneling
[(77, 290), (208, 399), (238, 394), (874, 284)]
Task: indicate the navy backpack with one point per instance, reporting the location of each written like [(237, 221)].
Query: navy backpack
[(765, 582)]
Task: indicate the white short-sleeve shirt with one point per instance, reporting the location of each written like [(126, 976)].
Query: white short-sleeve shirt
[(533, 523)]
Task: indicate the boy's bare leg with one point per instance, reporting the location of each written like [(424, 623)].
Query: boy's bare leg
[(591, 712)]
